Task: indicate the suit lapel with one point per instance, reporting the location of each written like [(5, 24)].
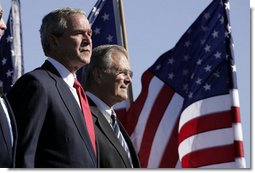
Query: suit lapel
[(103, 125), (14, 129), (132, 150), (4, 127), (71, 105)]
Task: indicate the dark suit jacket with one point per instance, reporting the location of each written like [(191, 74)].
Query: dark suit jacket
[(52, 132), (111, 153), (7, 150)]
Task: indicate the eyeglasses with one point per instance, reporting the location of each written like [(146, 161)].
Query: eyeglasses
[(124, 72)]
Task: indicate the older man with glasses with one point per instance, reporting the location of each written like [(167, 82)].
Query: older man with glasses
[(107, 81)]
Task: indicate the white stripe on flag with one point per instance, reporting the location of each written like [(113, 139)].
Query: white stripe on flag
[(205, 140), (164, 131), (178, 164), (221, 165), (235, 99), (240, 162), (154, 89), (204, 107), (238, 131)]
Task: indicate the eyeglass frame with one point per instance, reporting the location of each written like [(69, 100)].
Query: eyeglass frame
[(118, 71)]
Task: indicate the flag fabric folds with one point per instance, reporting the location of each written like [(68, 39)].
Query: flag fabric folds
[(106, 24), (11, 58), (187, 114)]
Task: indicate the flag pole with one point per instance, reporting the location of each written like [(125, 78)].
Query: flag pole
[(123, 29), (122, 19)]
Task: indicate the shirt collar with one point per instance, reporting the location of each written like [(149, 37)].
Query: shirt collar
[(104, 108), (67, 76)]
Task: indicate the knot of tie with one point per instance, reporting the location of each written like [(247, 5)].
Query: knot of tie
[(113, 117), (76, 84)]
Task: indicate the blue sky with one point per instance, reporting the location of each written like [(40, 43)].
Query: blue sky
[(153, 27)]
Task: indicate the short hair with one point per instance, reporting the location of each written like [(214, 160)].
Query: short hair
[(56, 23), (101, 58)]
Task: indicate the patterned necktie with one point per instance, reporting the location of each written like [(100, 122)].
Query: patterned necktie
[(86, 112), (119, 135)]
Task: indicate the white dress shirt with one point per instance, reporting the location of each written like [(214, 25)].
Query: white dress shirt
[(107, 111), (3, 104), (104, 108), (67, 76)]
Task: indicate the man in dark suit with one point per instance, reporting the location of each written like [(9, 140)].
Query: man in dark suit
[(8, 129), (8, 135), (107, 81), (47, 108)]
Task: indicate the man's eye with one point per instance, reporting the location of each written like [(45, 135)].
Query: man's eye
[(89, 33), (126, 73)]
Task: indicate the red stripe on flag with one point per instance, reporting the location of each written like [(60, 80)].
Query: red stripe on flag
[(205, 123), (171, 156), (236, 113), (156, 114), (133, 114), (209, 156), (121, 113), (239, 149)]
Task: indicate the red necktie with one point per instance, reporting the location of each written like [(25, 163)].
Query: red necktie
[(86, 112)]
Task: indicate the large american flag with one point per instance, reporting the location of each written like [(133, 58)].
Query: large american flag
[(187, 114), (106, 24), (11, 59)]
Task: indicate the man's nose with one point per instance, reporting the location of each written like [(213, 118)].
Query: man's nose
[(128, 79), (2, 25), (87, 39)]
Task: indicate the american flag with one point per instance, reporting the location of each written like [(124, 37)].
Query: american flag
[(187, 114), (106, 24), (11, 60)]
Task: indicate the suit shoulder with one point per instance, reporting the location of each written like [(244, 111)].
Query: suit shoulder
[(39, 75), (37, 80), (38, 72)]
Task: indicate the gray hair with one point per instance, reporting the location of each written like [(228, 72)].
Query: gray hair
[(101, 58), (56, 23)]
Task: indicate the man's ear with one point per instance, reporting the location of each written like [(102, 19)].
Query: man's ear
[(97, 75), (53, 41)]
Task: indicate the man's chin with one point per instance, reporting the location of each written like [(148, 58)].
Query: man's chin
[(86, 60), (123, 97)]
